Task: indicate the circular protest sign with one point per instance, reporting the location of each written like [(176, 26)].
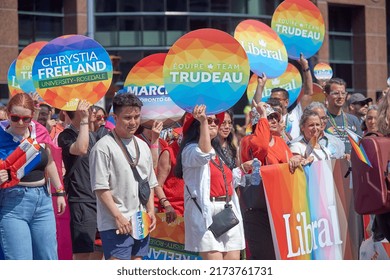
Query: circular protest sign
[(290, 80), (322, 71), (70, 68), (146, 81), (301, 27), (140, 222), (24, 64), (13, 85), (206, 66), (388, 81), (265, 50)]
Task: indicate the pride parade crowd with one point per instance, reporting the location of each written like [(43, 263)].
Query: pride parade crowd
[(195, 169)]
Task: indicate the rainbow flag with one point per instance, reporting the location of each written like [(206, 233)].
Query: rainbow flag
[(359, 150), (310, 211)]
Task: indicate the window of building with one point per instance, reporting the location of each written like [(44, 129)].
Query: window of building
[(341, 56), (39, 20)]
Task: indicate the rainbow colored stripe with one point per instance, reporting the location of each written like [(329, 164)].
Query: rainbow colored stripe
[(359, 149), (304, 211)]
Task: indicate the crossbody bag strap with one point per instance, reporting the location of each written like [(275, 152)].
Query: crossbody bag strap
[(127, 154), (194, 199), (220, 167)]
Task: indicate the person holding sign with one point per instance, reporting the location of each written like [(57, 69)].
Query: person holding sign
[(27, 222), (208, 189), (268, 147), (118, 162)]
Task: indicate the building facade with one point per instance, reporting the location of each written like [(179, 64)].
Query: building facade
[(355, 45)]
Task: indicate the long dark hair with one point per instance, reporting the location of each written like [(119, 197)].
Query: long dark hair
[(192, 135), (229, 139)]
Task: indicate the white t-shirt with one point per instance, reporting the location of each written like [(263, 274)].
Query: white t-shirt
[(292, 121), (110, 170), (299, 147)]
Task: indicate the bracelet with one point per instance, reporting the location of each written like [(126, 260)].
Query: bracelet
[(243, 169), (154, 146), (306, 70), (59, 194), (60, 189), (84, 123), (162, 200)]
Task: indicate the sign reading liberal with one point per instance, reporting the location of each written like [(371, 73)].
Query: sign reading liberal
[(290, 80), (24, 63), (265, 50), (315, 218), (70, 68), (206, 66), (13, 84), (301, 27), (145, 80)]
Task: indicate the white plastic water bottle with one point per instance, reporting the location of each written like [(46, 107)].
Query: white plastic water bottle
[(255, 176)]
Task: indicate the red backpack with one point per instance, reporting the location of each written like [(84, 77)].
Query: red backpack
[(371, 185)]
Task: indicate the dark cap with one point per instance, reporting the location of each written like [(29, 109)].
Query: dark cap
[(358, 97)]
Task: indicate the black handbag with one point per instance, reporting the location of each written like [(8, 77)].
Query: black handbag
[(226, 219), (223, 221), (143, 184)]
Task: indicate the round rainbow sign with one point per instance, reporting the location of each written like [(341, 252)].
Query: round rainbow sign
[(301, 27), (206, 66), (290, 80), (24, 64), (265, 50), (145, 80), (70, 68), (13, 84), (140, 222), (322, 71)]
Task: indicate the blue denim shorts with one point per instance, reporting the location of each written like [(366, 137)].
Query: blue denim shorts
[(122, 246)]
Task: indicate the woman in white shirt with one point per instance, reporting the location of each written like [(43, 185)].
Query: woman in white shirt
[(307, 144)]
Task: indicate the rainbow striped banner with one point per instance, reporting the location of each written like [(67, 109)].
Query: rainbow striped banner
[(311, 211)]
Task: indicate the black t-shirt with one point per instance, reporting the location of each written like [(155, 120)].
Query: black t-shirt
[(78, 185)]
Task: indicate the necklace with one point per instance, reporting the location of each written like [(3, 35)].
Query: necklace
[(341, 132)]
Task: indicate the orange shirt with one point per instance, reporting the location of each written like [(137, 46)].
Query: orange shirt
[(257, 146)]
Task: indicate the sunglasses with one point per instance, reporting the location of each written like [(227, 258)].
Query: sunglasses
[(211, 120), (273, 116), (17, 118), (100, 117)]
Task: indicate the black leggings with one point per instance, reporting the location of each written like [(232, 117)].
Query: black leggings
[(382, 221), (258, 234)]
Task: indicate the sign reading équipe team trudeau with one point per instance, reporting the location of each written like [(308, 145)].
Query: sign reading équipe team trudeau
[(265, 50), (70, 68), (206, 66), (301, 27), (146, 81)]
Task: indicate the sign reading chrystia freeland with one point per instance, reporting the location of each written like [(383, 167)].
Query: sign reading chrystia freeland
[(206, 66), (70, 68)]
